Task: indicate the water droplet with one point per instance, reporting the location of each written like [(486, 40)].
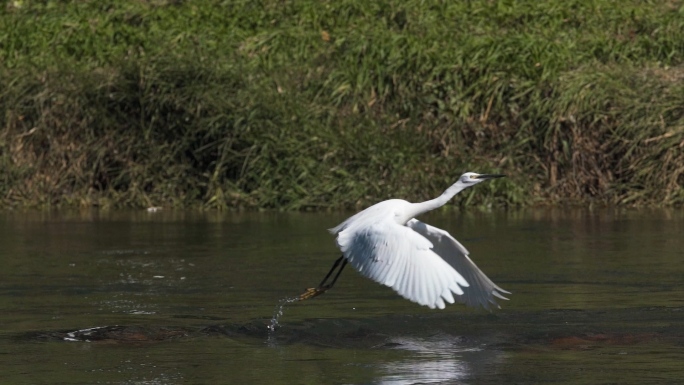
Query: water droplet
[(278, 312)]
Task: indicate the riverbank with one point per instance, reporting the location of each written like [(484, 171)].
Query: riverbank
[(326, 105)]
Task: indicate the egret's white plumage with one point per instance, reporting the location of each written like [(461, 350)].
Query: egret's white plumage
[(422, 263)]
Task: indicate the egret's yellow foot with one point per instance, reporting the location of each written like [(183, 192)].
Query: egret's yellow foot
[(312, 292)]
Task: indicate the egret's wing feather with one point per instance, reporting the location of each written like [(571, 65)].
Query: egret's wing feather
[(402, 259), (482, 290)]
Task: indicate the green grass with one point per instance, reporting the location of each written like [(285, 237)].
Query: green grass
[(300, 105)]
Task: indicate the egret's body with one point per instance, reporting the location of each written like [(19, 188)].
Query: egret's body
[(422, 263)]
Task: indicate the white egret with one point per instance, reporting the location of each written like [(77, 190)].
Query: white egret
[(420, 262)]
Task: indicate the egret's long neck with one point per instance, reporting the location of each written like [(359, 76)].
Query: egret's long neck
[(423, 207)]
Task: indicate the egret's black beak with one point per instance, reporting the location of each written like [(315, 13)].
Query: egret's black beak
[(489, 176)]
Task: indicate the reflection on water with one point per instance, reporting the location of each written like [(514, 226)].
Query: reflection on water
[(437, 359), (179, 297), (424, 371)]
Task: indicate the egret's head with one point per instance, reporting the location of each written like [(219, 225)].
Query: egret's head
[(473, 178)]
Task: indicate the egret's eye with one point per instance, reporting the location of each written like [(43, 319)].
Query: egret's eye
[(473, 177)]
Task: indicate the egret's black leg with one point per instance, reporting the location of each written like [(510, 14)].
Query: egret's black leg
[(344, 263), (334, 266), (323, 287)]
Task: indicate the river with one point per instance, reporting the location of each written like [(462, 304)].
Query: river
[(176, 297)]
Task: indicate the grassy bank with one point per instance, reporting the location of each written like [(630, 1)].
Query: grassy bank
[(331, 104)]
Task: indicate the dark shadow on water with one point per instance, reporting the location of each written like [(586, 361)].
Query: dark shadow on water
[(502, 331)]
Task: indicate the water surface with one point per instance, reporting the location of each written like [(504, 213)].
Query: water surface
[(178, 297)]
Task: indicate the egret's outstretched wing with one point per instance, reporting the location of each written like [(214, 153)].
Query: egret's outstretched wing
[(481, 290), (398, 257)]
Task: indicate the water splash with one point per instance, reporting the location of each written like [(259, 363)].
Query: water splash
[(278, 312)]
